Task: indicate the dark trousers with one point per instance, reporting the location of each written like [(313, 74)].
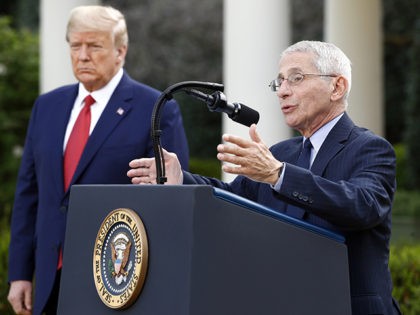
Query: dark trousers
[(52, 304)]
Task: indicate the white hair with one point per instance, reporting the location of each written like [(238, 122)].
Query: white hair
[(328, 58), (99, 18)]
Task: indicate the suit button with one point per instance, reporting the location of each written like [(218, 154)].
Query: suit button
[(301, 197), (295, 194), (311, 200), (305, 198)]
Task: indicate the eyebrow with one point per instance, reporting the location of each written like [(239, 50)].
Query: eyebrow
[(292, 70)]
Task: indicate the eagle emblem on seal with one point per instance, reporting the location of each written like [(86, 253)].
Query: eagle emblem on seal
[(120, 247)]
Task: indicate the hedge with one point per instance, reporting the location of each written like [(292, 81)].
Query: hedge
[(404, 263)]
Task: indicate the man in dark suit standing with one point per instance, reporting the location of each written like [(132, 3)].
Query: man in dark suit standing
[(347, 183), (84, 133)]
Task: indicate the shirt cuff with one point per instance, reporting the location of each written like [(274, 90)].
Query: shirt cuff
[(279, 182)]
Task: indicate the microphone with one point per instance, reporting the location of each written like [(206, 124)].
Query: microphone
[(217, 102)]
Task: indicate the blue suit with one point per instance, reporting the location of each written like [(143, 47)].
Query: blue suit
[(121, 135), (349, 189)]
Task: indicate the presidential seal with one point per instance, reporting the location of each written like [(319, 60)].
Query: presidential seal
[(120, 258)]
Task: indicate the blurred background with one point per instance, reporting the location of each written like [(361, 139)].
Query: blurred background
[(174, 41)]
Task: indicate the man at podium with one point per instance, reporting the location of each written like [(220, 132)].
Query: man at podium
[(336, 175)]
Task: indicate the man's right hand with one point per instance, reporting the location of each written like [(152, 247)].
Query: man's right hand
[(143, 171), (20, 297)]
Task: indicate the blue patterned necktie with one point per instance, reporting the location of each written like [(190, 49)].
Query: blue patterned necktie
[(304, 161)]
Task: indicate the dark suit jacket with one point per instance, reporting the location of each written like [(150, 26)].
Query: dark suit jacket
[(39, 213), (349, 189)]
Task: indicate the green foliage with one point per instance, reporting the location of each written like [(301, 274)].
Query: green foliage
[(404, 263), (406, 217), (406, 200), (175, 41), (19, 59), (206, 167), (412, 131), (201, 127), (27, 13), (402, 172), (400, 26), (4, 287), (406, 203)]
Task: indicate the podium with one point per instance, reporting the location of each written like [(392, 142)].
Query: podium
[(209, 252)]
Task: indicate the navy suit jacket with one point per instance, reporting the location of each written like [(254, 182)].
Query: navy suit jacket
[(349, 189), (121, 135)]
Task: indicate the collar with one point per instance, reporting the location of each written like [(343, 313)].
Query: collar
[(102, 95), (317, 139)]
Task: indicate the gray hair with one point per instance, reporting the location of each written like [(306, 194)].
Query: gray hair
[(99, 18), (329, 59)]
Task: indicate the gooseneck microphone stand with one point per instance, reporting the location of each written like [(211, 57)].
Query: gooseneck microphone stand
[(165, 96)]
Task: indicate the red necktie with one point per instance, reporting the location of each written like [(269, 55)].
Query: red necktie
[(74, 149), (77, 141)]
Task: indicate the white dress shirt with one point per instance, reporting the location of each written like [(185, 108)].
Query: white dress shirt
[(101, 97), (317, 139)]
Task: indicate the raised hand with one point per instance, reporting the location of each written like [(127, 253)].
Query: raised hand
[(251, 158)]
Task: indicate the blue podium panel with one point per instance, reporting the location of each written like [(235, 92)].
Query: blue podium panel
[(210, 252)]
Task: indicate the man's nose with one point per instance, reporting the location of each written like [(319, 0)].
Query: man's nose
[(83, 53), (284, 89)]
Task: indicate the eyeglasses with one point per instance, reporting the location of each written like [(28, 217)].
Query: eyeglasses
[(294, 79)]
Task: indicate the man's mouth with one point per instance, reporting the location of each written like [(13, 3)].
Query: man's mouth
[(287, 108)]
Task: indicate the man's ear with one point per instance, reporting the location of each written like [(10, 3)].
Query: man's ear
[(340, 88), (121, 52)]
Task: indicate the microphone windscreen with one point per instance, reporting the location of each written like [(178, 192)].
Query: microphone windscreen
[(246, 116)]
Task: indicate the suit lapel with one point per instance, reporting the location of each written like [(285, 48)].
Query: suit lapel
[(290, 152), (115, 111), (334, 143), (57, 130)]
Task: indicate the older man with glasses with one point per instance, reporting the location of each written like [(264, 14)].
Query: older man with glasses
[(335, 175)]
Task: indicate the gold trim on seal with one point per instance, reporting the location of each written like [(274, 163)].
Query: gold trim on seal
[(122, 232)]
